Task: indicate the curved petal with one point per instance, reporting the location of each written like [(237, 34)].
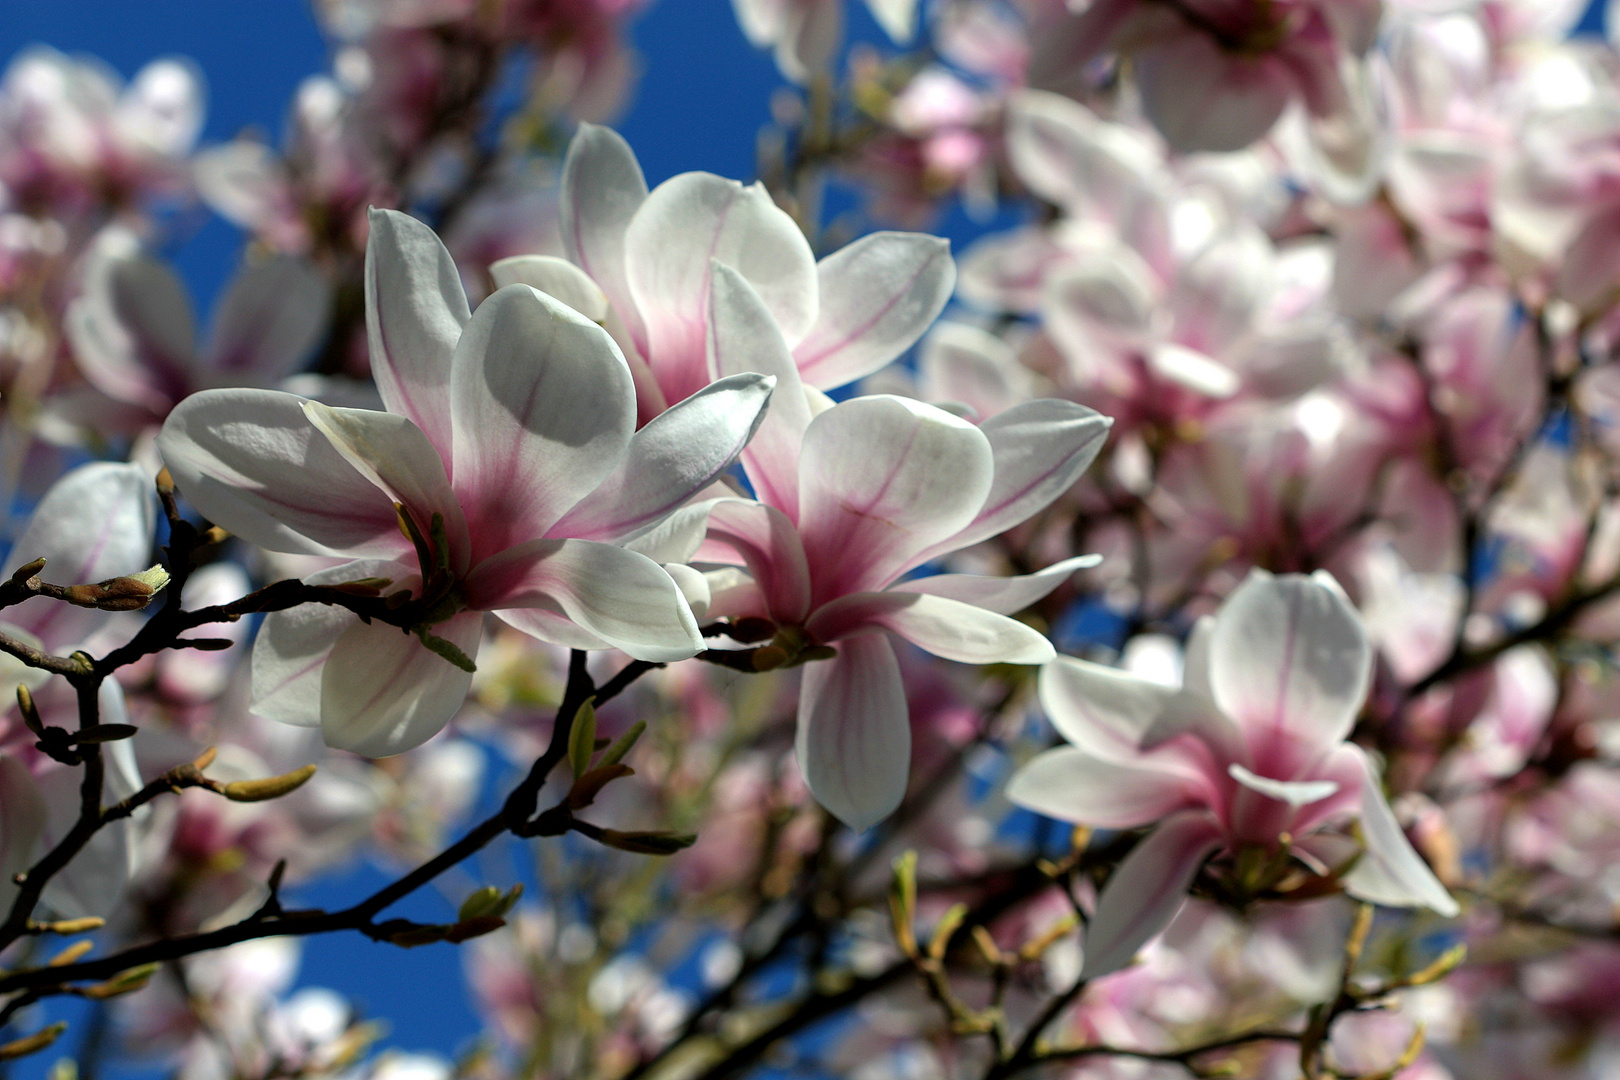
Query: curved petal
[(556, 278), (675, 456), (1099, 709), (1295, 793), (1389, 872), (415, 312), (1040, 448), (1144, 893), (602, 188), (252, 463), (1203, 98), (543, 411), (132, 330), (766, 541), (292, 646), (1289, 653), (686, 224), (743, 336), (396, 456), (877, 296), (1070, 158), (270, 319), (96, 522), (383, 692), (1069, 784), (881, 480), (854, 739), (1003, 595), (947, 628), (623, 598)]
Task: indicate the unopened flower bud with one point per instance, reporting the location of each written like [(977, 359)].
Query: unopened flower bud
[(271, 787)]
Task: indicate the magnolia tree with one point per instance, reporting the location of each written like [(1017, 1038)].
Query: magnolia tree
[(1173, 637)]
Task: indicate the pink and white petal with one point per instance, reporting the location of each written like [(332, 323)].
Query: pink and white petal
[(877, 296), (1144, 893), (1069, 784), (812, 31), (623, 598), (675, 456), (22, 820), (854, 738), (415, 312), (602, 188), (543, 412), (742, 336), (383, 692), (1040, 448), (947, 628), (881, 481), (397, 457), (271, 318), (555, 277), (252, 463), (1003, 595), (1295, 793), (553, 628), (677, 538), (1104, 711), (689, 222), (291, 647), (1072, 159), (132, 330), (1390, 872), (1289, 654), (1203, 98), (769, 545)]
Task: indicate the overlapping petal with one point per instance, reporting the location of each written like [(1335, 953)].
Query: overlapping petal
[(854, 741), (947, 628)]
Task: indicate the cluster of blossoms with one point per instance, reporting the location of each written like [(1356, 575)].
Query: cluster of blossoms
[(1175, 635)]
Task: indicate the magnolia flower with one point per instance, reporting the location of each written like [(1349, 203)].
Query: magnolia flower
[(806, 34), (852, 498), (134, 335), (642, 264), (503, 475), (1249, 753)]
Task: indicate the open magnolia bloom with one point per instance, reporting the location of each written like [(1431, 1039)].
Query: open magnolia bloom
[(503, 477), (642, 265), (1249, 755), (852, 498)]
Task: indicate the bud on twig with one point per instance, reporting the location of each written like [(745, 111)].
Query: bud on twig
[(271, 787), (33, 1043), (647, 843), (582, 739), (125, 982)]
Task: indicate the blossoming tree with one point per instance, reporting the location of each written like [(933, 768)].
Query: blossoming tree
[(1169, 631)]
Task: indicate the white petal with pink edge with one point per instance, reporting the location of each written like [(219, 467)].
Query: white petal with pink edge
[(383, 692), (1069, 784), (854, 739), (1390, 872), (947, 628), (1005, 596)]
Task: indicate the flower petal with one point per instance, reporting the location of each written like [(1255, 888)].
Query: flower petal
[(1295, 793), (383, 692), (1201, 97), (618, 596), (415, 311), (947, 628), (1069, 784), (854, 739), (543, 411), (602, 188), (555, 277), (766, 541), (686, 224), (252, 463), (1144, 893), (396, 456), (675, 456), (877, 296), (743, 336), (96, 522), (1289, 653), (1040, 448), (1390, 872), (881, 480), (1103, 711), (271, 318), (1004, 595), (132, 330)]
